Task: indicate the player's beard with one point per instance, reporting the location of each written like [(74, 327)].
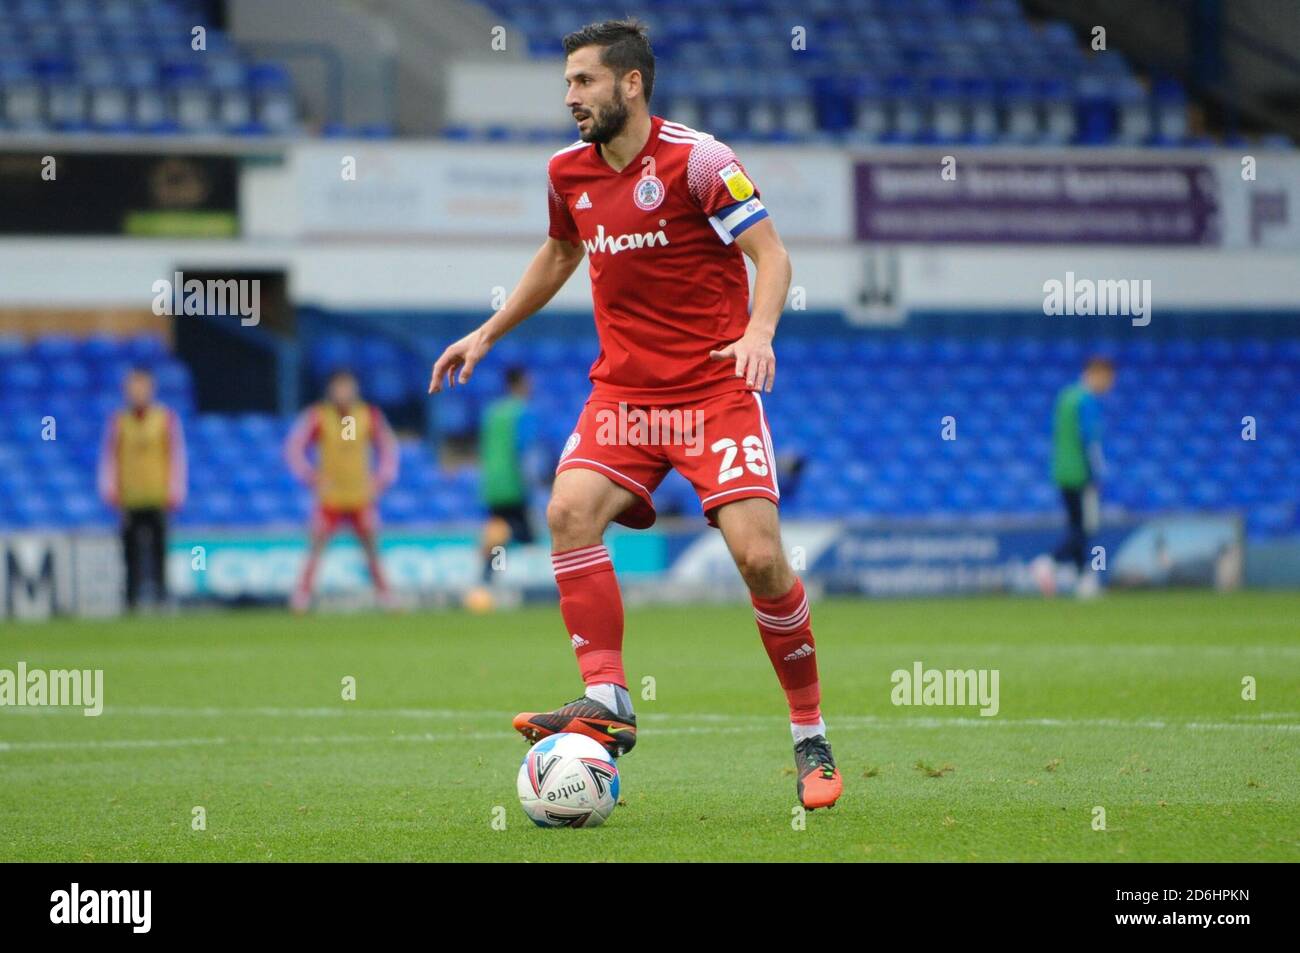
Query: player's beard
[(610, 122)]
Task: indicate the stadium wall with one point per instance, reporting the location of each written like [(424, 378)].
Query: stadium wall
[(45, 574), (435, 226), (434, 274), (437, 231)]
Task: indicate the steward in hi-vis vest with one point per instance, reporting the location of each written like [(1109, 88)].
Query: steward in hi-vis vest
[(142, 473)]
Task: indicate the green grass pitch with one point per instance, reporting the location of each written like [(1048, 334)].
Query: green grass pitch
[(1132, 704)]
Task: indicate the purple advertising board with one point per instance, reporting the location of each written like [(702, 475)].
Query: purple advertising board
[(1065, 201)]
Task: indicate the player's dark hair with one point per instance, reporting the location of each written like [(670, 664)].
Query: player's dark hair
[(1099, 362), (516, 375), (140, 370), (625, 46), (338, 373)]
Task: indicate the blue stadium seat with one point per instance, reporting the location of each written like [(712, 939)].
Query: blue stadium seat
[(915, 72), (127, 65), (872, 449)]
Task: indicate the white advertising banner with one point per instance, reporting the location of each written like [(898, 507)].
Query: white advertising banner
[(1260, 195), (459, 191), (46, 574), (429, 191)]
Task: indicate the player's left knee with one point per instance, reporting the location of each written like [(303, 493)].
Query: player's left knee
[(761, 563)]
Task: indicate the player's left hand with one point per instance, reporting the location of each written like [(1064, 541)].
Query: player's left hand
[(755, 360)]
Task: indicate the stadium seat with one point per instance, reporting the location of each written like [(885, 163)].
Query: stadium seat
[(871, 452), (127, 66), (947, 71)]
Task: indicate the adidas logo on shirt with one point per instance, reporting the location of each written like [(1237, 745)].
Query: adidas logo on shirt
[(802, 651), (582, 202), (578, 641)]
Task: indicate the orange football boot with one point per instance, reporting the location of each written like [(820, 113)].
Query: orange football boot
[(584, 717), (819, 782)]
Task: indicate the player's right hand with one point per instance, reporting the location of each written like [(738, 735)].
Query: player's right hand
[(464, 355)]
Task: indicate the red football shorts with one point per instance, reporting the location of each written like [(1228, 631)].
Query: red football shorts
[(327, 519), (721, 444)]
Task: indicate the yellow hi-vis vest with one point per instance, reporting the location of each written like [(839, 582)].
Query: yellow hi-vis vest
[(344, 443), (144, 458)]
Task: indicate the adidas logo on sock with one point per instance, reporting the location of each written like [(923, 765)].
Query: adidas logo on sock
[(578, 641), (802, 651)]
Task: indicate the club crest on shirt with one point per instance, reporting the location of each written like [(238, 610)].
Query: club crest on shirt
[(570, 445), (737, 182), (648, 193)]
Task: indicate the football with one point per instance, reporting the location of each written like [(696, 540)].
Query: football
[(568, 780)]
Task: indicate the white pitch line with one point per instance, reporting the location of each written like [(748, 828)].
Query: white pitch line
[(714, 724), (299, 741), (109, 744), (1264, 720), (209, 711), (1099, 651)]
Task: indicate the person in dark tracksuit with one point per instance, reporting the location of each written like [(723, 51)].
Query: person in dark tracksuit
[(1078, 467)]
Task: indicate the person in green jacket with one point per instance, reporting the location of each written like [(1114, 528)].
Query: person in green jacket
[(1078, 467), (506, 435)]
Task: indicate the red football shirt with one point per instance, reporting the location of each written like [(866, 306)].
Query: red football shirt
[(668, 281)]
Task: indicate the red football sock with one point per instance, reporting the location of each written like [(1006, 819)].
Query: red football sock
[(307, 581), (593, 612), (785, 625), (377, 572)]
